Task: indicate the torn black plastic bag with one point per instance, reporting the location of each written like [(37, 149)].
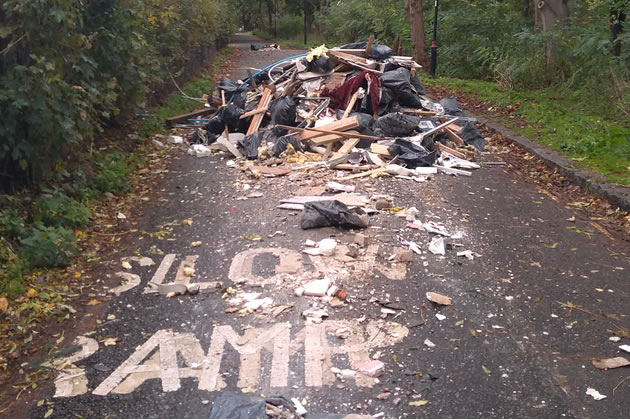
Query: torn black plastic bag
[(451, 107), (471, 136), (332, 213), (251, 143), (215, 125), (232, 405), (396, 124), (377, 52), (399, 80), (417, 85), (283, 111), (234, 92), (318, 65), (231, 115), (281, 144), (366, 121), (411, 154)]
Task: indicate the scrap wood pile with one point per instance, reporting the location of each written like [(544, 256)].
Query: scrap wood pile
[(355, 108)]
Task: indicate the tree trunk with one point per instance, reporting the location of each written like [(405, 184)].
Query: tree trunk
[(617, 20), (552, 12), (416, 26)]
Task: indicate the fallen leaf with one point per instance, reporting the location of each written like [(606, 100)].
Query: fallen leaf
[(460, 322), (77, 275), (231, 310), (187, 222), (31, 292), (252, 237), (111, 341), (40, 403), (248, 390), (111, 317), (418, 403), (611, 363), (48, 413), (4, 304), (439, 299), (486, 370), (196, 244), (552, 246), (94, 302)]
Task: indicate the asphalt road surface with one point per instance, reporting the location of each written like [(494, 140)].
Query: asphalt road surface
[(510, 345)]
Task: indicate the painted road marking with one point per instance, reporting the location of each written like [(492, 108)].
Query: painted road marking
[(157, 358), (72, 379), (241, 269), (160, 273)]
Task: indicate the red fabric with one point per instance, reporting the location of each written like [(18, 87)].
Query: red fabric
[(340, 96)]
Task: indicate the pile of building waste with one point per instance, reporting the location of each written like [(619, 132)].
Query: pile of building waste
[(355, 108)]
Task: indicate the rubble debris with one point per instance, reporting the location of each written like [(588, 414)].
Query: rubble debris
[(439, 299), (370, 367), (611, 363), (358, 108), (468, 254), (595, 394), (437, 246), (317, 287), (299, 408)]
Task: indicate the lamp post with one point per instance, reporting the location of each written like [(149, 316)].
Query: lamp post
[(434, 43)]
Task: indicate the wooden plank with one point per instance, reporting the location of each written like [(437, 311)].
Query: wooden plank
[(329, 150), (353, 100), (354, 61), (352, 167), (369, 46), (269, 170), (447, 149), (344, 124), (231, 148), (453, 171), (347, 134), (453, 136), (264, 103), (419, 112), (346, 148), (327, 139), (330, 138), (253, 112), (183, 118), (348, 57), (379, 149), (363, 174), (439, 127)]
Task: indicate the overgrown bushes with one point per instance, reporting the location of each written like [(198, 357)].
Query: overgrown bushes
[(68, 67)]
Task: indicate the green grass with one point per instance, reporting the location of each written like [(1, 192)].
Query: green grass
[(177, 104), (584, 126), (297, 42)]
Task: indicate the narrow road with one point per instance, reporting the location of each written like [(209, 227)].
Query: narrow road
[(510, 345)]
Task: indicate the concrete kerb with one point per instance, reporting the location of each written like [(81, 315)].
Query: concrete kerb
[(616, 194)]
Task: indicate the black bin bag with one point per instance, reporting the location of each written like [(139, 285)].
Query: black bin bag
[(332, 213), (411, 154)]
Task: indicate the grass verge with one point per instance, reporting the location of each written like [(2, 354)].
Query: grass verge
[(583, 126)]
